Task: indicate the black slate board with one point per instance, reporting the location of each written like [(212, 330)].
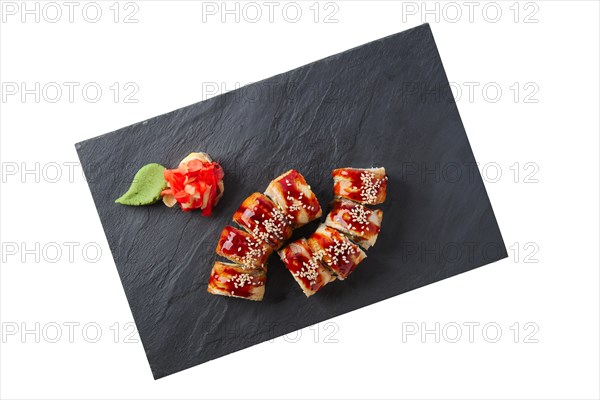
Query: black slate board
[(386, 103)]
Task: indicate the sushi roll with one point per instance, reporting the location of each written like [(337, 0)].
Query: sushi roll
[(243, 248), (293, 195), (355, 220), (264, 220), (305, 266), (337, 251), (234, 281), (365, 186)]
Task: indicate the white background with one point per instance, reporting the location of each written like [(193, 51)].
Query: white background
[(547, 213)]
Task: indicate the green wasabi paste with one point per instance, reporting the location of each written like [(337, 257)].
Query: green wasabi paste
[(145, 189)]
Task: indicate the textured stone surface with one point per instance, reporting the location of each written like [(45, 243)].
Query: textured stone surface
[(386, 103)]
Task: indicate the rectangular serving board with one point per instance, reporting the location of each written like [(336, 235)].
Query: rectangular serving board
[(386, 103)]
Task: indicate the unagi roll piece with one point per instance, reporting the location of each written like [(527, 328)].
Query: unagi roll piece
[(264, 219), (305, 266), (243, 248), (365, 186), (338, 252), (355, 220), (294, 196), (235, 281)]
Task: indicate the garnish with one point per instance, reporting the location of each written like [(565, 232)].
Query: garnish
[(196, 183), (146, 187)]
